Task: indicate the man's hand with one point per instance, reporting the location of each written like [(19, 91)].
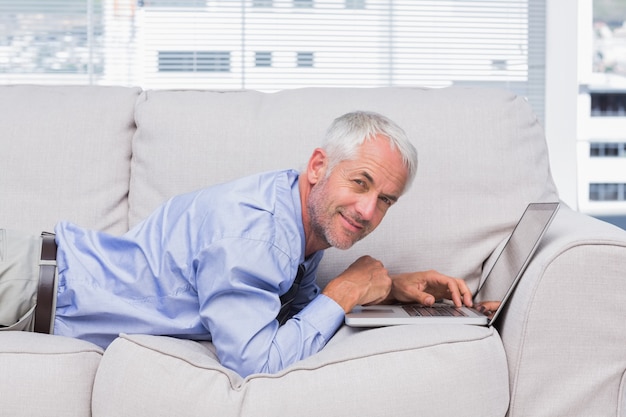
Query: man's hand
[(366, 281), (488, 308), (426, 287)]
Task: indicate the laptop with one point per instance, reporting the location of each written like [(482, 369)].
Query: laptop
[(505, 274)]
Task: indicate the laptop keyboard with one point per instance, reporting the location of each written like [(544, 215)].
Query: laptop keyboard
[(439, 310)]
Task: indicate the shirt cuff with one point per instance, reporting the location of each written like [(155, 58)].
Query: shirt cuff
[(324, 314)]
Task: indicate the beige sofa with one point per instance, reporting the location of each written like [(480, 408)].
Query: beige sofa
[(104, 157)]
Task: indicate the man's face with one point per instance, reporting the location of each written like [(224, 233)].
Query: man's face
[(350, 203)]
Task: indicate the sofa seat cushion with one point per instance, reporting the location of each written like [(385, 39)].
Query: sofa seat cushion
[(43, 375), (399, 371)]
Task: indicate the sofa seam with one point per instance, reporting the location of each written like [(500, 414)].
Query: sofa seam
[(185, 360), (287, 371), (365, 356), (5, 352)]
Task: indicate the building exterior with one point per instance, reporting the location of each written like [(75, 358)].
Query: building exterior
[(282, 44), (601, 142)]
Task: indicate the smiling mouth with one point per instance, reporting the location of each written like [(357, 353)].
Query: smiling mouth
[(353, 225)]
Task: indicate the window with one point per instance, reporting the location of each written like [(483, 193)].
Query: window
[(607, 192), (355, 4), (347, 43), (194, 61), (171, 3), (609, 149), (52, 41), (303, 3), (262, 3), (263, 59), (609, 39), (304, 59), (604, 104)]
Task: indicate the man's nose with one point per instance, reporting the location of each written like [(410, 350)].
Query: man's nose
[(366, 206)]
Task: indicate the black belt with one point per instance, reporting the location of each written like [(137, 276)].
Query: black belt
[(45, 291)]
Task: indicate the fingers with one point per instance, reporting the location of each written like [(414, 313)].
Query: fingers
[(424, 298), (488, 308), (366, 281), (366, 262), (425, 287), (374, 280), (443, 286), (460, 294)]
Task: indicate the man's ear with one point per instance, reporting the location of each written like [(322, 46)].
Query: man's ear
[(316, 168)]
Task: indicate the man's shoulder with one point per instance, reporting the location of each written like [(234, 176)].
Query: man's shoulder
[(262, 188), (259, 181), (244, 200), (288, 175)]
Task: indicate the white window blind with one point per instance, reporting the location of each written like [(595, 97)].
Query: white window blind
[(275, 44)]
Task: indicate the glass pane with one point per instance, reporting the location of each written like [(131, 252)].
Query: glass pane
[(609, 49), (271, 45)]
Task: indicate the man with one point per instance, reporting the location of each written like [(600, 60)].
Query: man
[(236, 263)]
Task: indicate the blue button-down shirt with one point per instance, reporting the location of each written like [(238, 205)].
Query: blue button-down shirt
[(209, 265)]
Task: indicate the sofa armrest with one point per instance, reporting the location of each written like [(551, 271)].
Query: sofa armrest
[(580, 358)]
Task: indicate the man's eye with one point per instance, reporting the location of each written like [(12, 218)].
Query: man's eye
[(386, 200)]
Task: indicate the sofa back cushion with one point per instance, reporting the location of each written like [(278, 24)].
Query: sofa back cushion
[(65, 156), (482, 158)]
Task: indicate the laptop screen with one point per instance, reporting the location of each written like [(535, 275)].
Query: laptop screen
[(517, 252)]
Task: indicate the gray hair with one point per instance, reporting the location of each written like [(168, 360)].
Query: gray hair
[(348, 132)]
